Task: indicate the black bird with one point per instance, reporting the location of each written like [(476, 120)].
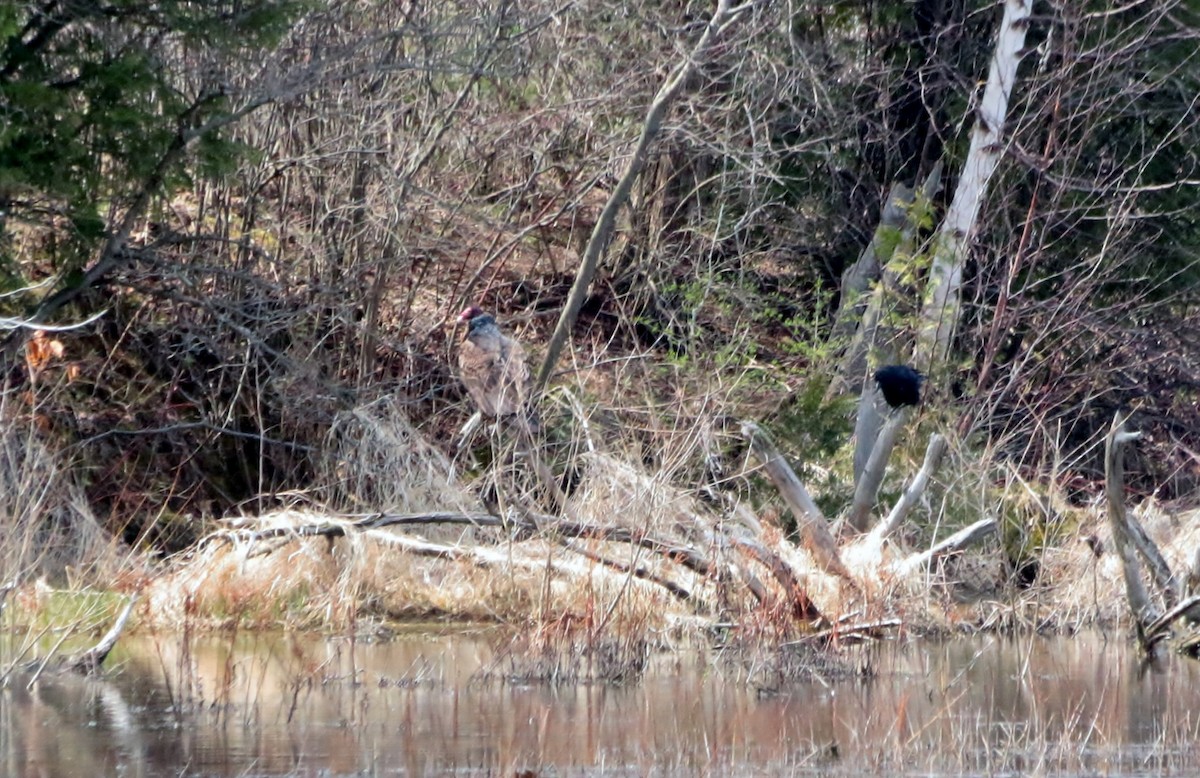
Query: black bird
[(900, 384)]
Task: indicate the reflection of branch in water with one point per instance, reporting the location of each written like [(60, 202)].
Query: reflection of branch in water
[(125, 725)]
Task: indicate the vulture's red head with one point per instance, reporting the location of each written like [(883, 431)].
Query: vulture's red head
[(470, 312), (474, 316)]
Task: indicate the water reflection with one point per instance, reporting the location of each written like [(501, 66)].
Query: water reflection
[(293, 705)]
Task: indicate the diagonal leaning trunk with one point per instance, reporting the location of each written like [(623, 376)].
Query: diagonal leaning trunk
[(939, 313)]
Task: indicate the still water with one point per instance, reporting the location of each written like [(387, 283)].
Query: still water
[(437, 704)]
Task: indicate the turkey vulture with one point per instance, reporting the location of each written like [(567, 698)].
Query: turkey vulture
[(492, 366), (900, 384)]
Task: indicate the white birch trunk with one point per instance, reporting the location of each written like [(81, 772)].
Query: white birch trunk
[(939, 314)]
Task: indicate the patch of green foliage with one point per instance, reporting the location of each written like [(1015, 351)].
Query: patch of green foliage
[(96, 99), (84, 611)]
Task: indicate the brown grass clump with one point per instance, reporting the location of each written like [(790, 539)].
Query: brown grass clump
[(375, 459)]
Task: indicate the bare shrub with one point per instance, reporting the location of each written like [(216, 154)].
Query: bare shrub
[(48, 526)]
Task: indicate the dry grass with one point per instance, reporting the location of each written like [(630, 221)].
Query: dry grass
[(48, 526), (572, 605)]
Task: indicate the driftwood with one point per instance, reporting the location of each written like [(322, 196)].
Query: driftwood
[(809, 520)]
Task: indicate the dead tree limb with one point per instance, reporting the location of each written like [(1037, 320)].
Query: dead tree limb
[(959, 540), (637, 571), (799, 603), (1160, 629), (867, 488), (933, 457), (1168, 584), (848, 633), (1145, 612), (89, 661), (809, 520), (725, 14)]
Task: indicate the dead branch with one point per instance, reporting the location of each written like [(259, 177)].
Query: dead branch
[(1160, 628), (89, 661), (724, 15), (933, 457), (801, 606), (841, 632), (636, 571), (1169, 585), (809, 521), (959, 540), (550, 526), (1145, 612)]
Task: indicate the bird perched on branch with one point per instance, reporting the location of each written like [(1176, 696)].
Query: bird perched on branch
[(492, 367), (900, 384)]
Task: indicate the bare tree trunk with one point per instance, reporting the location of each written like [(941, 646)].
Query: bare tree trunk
[(868, 423), (939, 314), (725, 15), (856, 281), (871, 334)]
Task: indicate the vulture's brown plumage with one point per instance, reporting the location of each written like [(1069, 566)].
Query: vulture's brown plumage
[(492, 367)]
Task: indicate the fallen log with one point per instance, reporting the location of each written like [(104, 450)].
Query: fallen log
[(552, 527)]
